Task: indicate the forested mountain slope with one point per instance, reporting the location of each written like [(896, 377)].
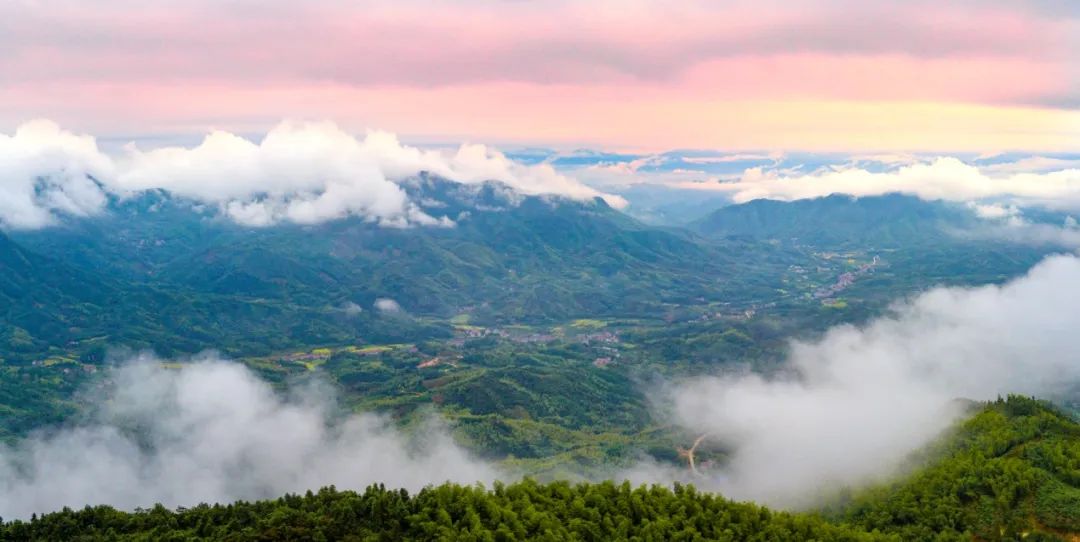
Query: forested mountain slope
[(840, 221), (52, 308), (1011, 472), (507, 256)]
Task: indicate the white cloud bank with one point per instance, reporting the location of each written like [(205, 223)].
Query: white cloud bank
[(860, 399), (387, 305), (213, 432), (44, 170), (941, 178), (299, 172), (1008, 223)]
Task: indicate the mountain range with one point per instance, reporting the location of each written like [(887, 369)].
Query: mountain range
[(155, 271), (182, 279)]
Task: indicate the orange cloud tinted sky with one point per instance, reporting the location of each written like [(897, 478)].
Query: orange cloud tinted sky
[(811, 75)]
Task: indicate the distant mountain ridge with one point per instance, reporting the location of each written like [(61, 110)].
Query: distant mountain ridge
[(155, 271), (890, 220)]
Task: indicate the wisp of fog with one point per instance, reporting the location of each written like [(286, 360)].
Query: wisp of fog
[(211, 431), (858, 401)]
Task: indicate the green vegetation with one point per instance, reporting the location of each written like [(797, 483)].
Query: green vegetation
[(522, 511), (1011, 472), (529, 401), (48, 309), (37, 397)]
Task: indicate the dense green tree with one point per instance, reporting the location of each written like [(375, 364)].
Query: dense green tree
[(525, 510)]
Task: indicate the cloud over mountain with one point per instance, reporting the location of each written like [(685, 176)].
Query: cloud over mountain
[(853, 404), (212, 431), (299, 172), (45, 170), (941, 178)]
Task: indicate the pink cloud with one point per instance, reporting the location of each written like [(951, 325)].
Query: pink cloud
[(994, 80), (424, 43), (521, 113), (525, 70)]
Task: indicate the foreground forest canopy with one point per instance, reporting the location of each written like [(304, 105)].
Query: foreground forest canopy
[(1010, 472)]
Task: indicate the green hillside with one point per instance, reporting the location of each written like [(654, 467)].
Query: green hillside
[(49, 308), (1012, 472)]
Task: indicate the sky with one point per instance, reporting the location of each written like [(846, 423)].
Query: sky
[(830, 75)]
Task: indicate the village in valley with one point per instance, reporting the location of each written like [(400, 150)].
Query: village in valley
[(821, 281)]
